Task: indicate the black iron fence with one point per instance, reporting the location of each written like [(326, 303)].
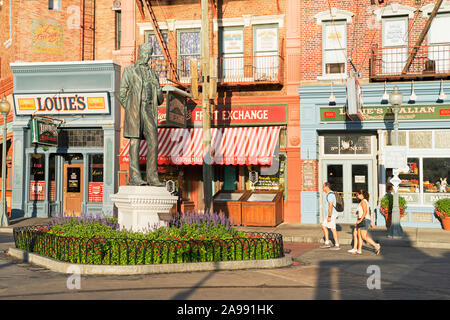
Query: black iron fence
[(127, 251)]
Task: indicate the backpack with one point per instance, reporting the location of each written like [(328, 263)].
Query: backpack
[(339, 202)]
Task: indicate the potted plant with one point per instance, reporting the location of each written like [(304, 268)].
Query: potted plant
[(442, 211), (387, 202)]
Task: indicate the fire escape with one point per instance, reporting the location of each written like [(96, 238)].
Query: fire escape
[(88, 30)]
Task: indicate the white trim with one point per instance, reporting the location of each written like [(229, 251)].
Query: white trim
[(57, 63), (426, 10), (248, 20), (170, 24), (337, 76), (394, 9), (333, 14)]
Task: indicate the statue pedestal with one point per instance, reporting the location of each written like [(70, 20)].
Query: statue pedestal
[(140, 207)]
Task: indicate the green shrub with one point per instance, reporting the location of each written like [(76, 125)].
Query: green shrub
[(387, 202), (443, 206)]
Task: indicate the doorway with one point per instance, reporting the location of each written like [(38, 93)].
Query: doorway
[(73, 187), (347, 177)]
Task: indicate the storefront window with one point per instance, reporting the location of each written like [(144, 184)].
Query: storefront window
[(52, 177), (409, 187), (37, 177), (436, 174), (260, 178), (95, 178), (347, 144)]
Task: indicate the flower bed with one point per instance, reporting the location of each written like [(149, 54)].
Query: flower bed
[(188, 238)]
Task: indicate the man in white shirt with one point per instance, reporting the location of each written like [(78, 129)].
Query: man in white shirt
[(330, 217)]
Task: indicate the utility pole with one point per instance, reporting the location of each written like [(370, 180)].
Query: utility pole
[(206, 108)]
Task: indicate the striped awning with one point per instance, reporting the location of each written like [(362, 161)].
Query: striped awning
[(229, 146)]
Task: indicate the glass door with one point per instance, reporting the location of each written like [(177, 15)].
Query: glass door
[(346, 178)]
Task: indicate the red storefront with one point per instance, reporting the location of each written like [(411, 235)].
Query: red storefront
[(245, 139)]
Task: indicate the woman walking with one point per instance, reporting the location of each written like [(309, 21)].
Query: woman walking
[(364, 222)]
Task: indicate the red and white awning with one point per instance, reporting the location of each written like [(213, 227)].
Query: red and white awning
[(229, 146)]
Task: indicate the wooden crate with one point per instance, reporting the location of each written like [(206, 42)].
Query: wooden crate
[(231, 208), (262, 213)]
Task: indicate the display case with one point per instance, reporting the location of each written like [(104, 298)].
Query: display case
[(230, 203), (262, 208)]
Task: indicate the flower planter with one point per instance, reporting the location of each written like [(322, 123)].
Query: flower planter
[(388, 215), (444, 219)]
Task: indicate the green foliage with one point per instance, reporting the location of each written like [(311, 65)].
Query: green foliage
[(443, 206), (93, 242), (387, 202)]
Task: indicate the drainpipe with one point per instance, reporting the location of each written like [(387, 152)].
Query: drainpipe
[(8, 42)]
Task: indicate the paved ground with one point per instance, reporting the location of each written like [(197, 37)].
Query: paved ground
[(404, 273)]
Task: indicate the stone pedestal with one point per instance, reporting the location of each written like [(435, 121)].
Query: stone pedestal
[(140, 207)]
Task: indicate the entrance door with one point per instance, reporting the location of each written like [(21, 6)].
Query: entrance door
[(73, 189), (347, 177)]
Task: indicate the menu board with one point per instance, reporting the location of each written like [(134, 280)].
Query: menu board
[(262, 197)]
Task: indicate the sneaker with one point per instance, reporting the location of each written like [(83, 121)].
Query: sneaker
[(336, 248), (325, 246), (352, 251)]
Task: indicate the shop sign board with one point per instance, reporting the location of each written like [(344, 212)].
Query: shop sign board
[(395, 157), (385, 113), (61, 103), (233, 115), (176, 102), (44, 131)]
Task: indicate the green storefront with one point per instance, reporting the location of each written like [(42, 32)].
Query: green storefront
[(66, 136)]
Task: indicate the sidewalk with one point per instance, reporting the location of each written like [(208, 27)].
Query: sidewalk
[(413, 237), (293, 232)]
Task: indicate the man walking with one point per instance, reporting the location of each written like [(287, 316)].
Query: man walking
[(329, 221)]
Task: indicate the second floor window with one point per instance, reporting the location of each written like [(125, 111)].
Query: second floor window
[(439, 43), (54, 5), (334, 47), (266, 52), (189, 46), (157, 61), (231, 62), (395, 44)]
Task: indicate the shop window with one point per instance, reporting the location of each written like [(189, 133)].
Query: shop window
[(157, 61), (257, 179), (118, 31), (409, 188), (37, 177), (348, 144), (170, 176), (334, 47), (420, 139), (96, 178), (441, 139), (189, 48), (54, 5), (80, 138), (436, 175), (52, 177), (389, 140)]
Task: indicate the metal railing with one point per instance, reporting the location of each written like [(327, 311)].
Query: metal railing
[(126, 251), (230, 70), (430, 61)]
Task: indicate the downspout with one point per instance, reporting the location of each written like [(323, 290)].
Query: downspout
[(8, 42)]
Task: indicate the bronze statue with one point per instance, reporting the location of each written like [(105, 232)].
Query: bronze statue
[(140, 95)]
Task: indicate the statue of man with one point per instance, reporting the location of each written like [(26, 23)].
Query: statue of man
[(140, 95)]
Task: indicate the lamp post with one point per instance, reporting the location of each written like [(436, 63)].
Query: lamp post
[(4, 109), (395, 231)]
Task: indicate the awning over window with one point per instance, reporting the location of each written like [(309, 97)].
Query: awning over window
[(230, 146)]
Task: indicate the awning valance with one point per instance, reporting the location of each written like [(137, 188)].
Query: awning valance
[(230, 146)]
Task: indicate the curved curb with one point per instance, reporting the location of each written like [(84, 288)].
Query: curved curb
[(66, 267)]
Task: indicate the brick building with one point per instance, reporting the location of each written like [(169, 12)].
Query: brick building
[(378, 37), (251, 44)]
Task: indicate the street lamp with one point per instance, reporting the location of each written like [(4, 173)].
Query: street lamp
[(4, 109), (395, 99)]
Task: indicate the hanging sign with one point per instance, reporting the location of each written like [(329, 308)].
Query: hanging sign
[(44, 131), (176, 106), (395, 157)]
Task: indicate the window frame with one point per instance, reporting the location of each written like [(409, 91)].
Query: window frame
[(326, 24)]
